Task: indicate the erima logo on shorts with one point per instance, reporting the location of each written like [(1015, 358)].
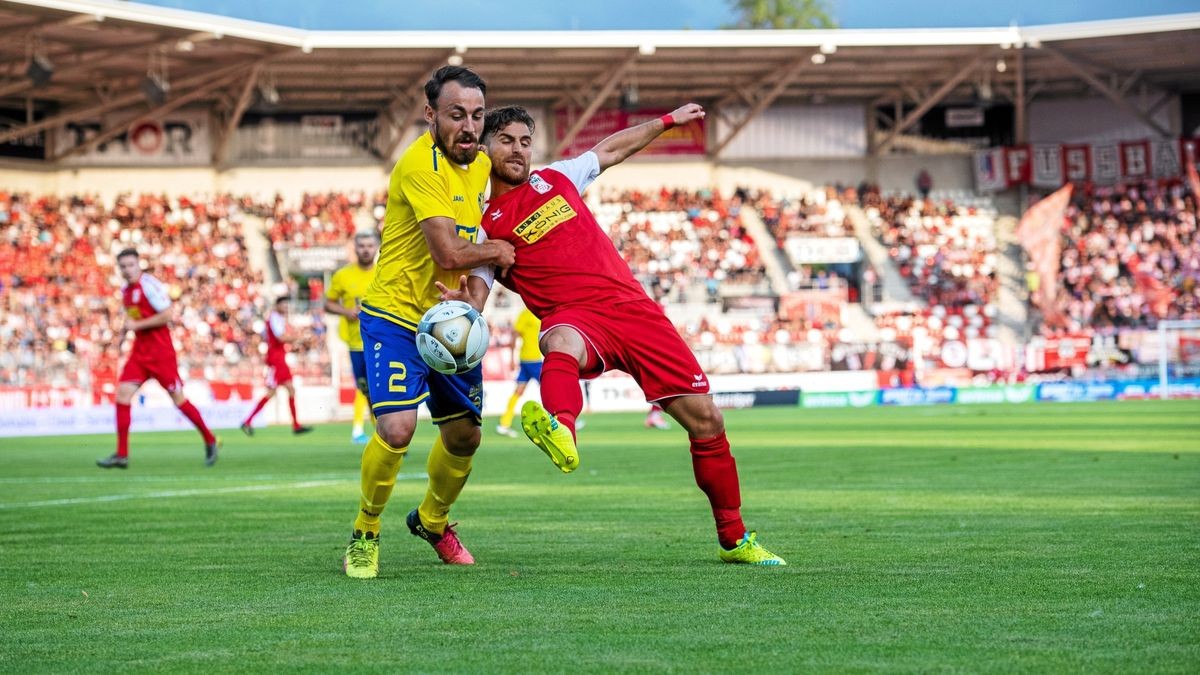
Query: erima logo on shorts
[(546, 218)]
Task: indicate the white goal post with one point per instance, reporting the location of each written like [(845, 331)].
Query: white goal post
[(1168, 351)]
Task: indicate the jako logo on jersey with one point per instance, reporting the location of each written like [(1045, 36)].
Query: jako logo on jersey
[(546, 218), (539, 186), (459, 198)]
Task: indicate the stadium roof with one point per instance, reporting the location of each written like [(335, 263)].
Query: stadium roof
[(100, 53)]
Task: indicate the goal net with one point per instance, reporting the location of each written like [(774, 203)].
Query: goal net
[(1179, 359)]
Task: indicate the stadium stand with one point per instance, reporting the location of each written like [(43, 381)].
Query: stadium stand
[(1130, 257)]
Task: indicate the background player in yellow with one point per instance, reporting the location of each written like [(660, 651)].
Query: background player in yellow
[(529, 365), (434, 207), (346, 290)]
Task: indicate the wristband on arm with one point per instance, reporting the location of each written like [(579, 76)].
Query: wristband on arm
[(668, 121)]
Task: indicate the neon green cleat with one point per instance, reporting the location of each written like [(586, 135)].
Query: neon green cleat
[(362, 556), (553, 438), (750, 552)]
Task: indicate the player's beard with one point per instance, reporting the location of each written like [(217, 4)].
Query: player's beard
[(449, 149), (509, 174)]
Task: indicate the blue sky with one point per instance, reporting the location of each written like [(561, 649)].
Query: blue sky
[(658, 14)]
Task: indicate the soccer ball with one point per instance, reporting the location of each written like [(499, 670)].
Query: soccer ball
[(452, 337)]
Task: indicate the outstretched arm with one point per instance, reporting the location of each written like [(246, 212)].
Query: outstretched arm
[(622, 145)]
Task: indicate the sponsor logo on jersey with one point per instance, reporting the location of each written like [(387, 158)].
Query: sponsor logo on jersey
[(540, 186), (496, 215), (459, 198), (546, 218)]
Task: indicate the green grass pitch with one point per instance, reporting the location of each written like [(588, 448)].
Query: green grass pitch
[(1027, 538)]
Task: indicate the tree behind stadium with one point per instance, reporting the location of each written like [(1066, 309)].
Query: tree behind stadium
[(781, 14)]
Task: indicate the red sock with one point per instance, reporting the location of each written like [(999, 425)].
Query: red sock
[(189, 411), (716, 474), (123, 414), (561, 394), (261, 403), (292, 407)]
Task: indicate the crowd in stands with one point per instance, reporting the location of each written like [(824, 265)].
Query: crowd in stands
[(61, 312), (327, 219), (675, 240), (1130, 257), (947, 253)]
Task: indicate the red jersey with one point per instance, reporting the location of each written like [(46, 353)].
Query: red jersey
[(554, 232), (276, 327), (142, 299)]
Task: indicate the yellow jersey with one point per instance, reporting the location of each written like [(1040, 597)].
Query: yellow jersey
[(527, 326), (347, 288), (424, 184)]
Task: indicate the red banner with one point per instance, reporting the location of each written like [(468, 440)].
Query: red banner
[(1102, 163), (688, 139), (1135, 160), (1077, 163), (1018, 164)]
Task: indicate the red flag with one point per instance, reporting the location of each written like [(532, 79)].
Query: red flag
[(1040, 234), (1156, 293)]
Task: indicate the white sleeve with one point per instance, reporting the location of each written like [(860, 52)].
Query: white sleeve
[(485, 272), (582, 170), (156, 293), (278, 324)]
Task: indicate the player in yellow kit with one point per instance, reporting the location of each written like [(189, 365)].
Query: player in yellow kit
[(527, 327), (434, 207), (346, 290)]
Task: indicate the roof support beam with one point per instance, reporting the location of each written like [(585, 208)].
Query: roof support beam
[(235, 116), (1106, 91), (114, 103), (765, 99), (83, 62), (614, 78), (119, 127), (412, 96), (932, 100), (1021, 104)]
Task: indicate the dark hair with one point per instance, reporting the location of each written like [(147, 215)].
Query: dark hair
[(460, 74), (126, 252), (283, 298), (498, 118)]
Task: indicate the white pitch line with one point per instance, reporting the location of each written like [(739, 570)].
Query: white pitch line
[(168, 494), (124, 477)]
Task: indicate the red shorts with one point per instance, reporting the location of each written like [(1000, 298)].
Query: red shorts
[(639, 339), (278, 373), (158, 365)]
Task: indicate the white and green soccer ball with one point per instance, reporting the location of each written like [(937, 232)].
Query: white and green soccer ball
[(452, 337)]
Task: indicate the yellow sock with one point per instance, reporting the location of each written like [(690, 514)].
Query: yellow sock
[(380, 464), (447, 476), (360, 408), (507, 417)]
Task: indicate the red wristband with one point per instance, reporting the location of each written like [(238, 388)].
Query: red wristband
[(668, 121)]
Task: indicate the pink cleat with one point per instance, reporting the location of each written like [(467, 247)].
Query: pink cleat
[(446, 545)]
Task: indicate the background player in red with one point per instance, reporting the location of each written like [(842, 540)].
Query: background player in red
[(278, 373), (147, 309), (595, 315)]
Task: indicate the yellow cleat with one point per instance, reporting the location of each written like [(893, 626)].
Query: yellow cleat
[(750, 552), (553, 438), (362, 556)]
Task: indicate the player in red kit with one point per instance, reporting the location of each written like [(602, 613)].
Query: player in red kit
[(278, 372), (148, 316), (595, 315)]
